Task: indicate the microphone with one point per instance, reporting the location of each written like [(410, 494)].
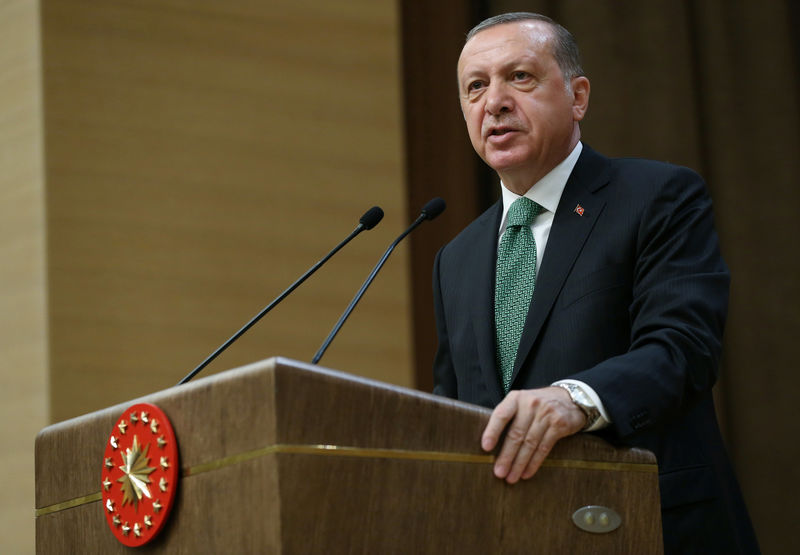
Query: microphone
[(370, 219), (433, 208)]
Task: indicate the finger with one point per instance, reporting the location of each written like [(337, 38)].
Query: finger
[(501, 416), (514, 439), (530, 445), (555, 431)]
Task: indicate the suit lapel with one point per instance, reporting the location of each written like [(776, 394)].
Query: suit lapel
[(481, 280), (567, 237)]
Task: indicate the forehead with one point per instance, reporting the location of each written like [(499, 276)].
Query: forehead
[(507, 43)]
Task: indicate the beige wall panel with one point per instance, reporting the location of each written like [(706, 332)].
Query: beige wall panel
[(200, 156), (23, 349)]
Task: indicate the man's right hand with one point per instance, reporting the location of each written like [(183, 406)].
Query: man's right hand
[(538, 419)]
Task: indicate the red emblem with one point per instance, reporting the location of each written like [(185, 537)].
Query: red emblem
[(579, 210), (140, 474)]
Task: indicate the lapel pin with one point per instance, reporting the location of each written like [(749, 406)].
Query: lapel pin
[(579, 210)]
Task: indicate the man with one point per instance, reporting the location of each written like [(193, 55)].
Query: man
[(592, 296)]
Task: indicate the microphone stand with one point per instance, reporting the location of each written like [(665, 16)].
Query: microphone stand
[(369, 220), (432, 209)]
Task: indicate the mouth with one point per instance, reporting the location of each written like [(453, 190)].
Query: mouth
[(500, 131)]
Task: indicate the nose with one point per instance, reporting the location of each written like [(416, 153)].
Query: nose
[(498, 100)]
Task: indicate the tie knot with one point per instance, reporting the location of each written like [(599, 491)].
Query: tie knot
[(522, 212)]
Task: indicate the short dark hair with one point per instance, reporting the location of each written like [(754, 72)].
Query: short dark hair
[(565, 48)]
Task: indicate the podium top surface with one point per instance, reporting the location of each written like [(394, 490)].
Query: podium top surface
[(280, 404)]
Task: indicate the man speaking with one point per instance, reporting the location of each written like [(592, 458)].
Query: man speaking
[(592, 296)]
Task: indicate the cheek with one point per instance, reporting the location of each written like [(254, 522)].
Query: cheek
[(474, 123)]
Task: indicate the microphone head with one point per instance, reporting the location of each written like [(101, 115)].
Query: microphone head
[(433, 208), (371, 217)]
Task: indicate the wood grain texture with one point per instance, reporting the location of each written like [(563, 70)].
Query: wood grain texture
[(316, 503)]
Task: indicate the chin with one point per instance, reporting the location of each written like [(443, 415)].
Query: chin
[(504, 163)]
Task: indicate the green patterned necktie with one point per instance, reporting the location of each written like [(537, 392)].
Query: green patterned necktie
[(515, 280)]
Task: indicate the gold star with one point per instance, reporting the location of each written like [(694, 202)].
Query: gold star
[(148, 520), (122, 427), (137, 529), (162, 484), (161, 442), (125, 529), (135, 473), (106, 484), (156, 506), (115, 520), (134, 418), (144, 417), (109, 505), (164, 463), (154, 426), (109, 464), (113, 442)]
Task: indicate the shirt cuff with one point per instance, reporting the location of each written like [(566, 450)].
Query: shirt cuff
[(604, 419)]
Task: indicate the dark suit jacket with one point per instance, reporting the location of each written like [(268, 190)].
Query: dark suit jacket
[(631, 298)]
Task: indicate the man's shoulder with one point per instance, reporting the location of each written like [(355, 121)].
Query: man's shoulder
[(637, 180), (630, 164), (636, 170), (647, 167)]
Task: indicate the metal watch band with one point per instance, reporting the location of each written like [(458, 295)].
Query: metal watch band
[(583, 401)]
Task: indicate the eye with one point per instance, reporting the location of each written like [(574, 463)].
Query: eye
[(474, 86), (520, 75)]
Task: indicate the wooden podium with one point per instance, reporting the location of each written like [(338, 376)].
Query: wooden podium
[(285, 457)]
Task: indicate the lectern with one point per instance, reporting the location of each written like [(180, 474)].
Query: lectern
[(285, 457)]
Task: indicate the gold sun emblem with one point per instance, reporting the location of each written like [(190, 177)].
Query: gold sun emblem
[(135, 473)]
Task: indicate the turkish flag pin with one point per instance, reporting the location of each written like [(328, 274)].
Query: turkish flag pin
[(579, 210)]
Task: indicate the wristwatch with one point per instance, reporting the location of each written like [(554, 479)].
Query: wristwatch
[(584, 402)]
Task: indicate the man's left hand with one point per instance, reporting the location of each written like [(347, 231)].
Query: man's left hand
[(539, 418)]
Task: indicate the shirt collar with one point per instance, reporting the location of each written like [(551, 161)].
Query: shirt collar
[(547, 191)]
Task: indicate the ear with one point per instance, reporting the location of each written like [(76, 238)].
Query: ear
[(580, 97)]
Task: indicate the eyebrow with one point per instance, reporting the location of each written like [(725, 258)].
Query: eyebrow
[(511, 65)]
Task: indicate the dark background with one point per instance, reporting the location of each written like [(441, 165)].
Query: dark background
[(709, 84)]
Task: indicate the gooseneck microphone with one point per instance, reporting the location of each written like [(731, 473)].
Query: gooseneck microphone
[(370, 219), (433, 208)]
